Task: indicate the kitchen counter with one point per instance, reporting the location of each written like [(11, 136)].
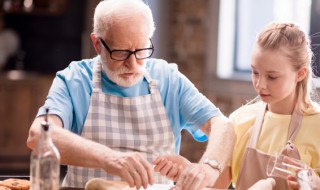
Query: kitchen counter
[(3, 177), (121, 185)]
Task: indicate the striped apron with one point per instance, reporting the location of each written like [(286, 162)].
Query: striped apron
[(124, 124)]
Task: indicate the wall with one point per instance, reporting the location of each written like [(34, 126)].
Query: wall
[(193, 25), (48, 42)]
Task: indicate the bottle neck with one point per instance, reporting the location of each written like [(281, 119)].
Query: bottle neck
[(45, 147), (45, 134)]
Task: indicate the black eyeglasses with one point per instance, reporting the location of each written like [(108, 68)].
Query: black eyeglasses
[(121, 55)]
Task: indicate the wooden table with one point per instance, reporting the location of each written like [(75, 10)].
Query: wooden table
[(122, 185), (4, 177)]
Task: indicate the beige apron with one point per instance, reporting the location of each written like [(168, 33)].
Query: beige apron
[(254, 161), (125, 124)]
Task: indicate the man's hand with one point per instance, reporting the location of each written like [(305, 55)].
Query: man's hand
[(197, 176), (78, 151), (132, 167), (264, 184), (171, 166)]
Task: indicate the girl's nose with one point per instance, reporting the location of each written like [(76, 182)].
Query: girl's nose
[(260, 84)]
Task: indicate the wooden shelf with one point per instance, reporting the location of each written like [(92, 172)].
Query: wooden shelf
[(42, 8), (21, 95)]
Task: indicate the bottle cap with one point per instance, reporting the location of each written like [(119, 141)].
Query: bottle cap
[(45, 123)]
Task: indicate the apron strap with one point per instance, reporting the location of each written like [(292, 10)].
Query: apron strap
[(257, 127), (295, 124), (153, 84), (96, 76)]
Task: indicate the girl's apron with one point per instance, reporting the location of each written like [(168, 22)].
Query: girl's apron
[(124, 124), (254, 162)]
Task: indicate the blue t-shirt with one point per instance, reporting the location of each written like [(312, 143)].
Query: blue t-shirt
[(186, 107)]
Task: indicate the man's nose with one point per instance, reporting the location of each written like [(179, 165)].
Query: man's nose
[(131, 61)]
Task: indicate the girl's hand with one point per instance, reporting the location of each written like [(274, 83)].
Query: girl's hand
[(292, 182), (171, 166), (314, 178)]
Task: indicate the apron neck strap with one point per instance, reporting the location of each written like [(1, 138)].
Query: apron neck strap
[(96, 78), (256, 128), (294, 127), (295, 124), (152, 83), (96, 75)]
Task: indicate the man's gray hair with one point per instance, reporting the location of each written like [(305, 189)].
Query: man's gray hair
[(109, 11)]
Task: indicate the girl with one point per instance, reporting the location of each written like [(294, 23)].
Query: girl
[(283, 119)]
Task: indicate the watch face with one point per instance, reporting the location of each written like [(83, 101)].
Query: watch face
[(213, 163)]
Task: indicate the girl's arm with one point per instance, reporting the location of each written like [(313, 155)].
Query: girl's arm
[(224, 180), (171, 166)]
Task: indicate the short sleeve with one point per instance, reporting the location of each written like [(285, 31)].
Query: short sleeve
[(59, 102), (194, 108), (69, 95)]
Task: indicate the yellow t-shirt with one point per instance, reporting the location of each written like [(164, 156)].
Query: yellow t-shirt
[(274, 135)]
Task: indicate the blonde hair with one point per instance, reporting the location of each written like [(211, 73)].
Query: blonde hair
[(296, 46), (110, 11)]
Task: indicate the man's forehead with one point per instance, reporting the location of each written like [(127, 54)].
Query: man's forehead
[(128, 42)]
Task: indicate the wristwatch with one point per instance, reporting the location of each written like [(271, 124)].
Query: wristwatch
[(214, 164)]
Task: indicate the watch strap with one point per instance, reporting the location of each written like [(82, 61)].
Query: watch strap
[(214, 164)]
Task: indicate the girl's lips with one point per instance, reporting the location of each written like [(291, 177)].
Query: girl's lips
[(264, 95)]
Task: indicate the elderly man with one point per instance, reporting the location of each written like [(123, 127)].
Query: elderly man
[(114, 114)]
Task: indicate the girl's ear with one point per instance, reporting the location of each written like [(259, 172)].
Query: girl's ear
[(95, 43), (302, 73)]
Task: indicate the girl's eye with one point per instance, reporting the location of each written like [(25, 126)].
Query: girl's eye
[(272, 78)]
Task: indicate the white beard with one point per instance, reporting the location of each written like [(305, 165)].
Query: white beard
[(114, 76)]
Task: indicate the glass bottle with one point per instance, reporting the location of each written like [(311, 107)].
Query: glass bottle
[(45, 161)]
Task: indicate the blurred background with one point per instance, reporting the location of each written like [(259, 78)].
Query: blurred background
[(210, 40)]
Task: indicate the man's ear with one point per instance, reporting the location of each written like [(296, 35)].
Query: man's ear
[(95, 42), (302, 73)]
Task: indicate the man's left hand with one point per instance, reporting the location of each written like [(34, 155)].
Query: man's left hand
[(197, 176)]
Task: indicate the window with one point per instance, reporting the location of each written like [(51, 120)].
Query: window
[(241, 20)]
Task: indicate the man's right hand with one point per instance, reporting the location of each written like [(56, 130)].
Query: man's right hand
[(132, 167), (78, 151)]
